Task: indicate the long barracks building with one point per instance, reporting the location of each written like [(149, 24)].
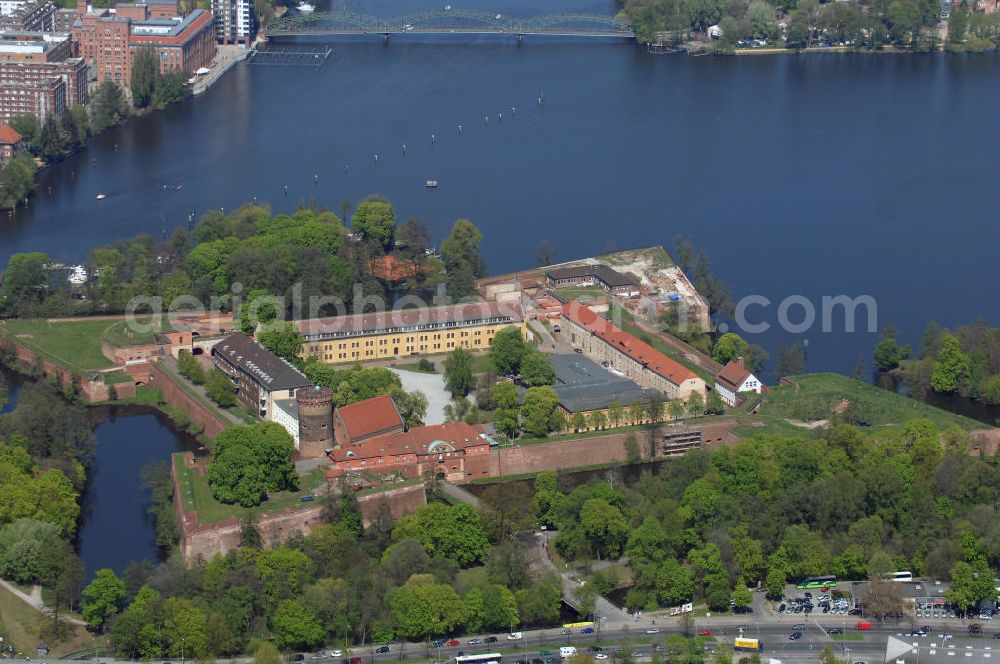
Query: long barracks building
[(399, 333)]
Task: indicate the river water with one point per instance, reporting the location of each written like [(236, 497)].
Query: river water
[(817, 175)]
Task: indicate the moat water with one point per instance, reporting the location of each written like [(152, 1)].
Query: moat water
[(818, 175)]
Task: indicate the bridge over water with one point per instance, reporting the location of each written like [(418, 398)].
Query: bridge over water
[(448, 22)]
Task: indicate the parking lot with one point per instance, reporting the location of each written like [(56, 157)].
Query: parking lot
[(830, 603)]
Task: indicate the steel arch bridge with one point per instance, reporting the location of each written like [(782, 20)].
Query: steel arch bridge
[(448, 21)]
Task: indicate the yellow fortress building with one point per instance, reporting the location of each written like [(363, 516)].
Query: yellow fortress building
[(400, 333)]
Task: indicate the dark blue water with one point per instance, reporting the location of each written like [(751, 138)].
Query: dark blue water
[(13, 389), (117, 528), (800, 175)]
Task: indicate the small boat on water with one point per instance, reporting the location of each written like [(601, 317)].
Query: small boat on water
[(306, 7), (101, 197), (77, 275), (431, 184)]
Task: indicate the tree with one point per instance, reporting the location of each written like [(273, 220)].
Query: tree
[(374, 221), (171, 87), (729, 346), (714, 405), (414, 239), (412, 406), (505, 511), (605, 527), (696, 404), (888, 352), (107, 107), (742, 597), (775, 583), (249, 461), (266, 653), (145, 71), (190, 368), (883, 598), (540, 411), (295, 627), (506, 417), (950, 366), (284, 340), (422, 608), (536, 369), (454, 532), (258, 308), (102, 598), (17, 180), (507, 351), (971, 582), (31, 552), (653, 406), (462, 262), (458, 372), (791, 360), (616, 414), (24, 281), (220, 389), (673, 583)]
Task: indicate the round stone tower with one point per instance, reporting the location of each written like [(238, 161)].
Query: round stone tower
[(315, 421)]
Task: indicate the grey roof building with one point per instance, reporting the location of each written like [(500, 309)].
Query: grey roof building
[(584, 385)]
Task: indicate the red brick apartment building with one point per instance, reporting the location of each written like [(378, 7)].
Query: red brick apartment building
[(38, 75), (109, 38)]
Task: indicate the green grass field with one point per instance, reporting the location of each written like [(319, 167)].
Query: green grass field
[(818, 395), (75, 345), (582, 293), (21, 624), (197, 495)]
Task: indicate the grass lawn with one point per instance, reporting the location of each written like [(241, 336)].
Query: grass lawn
[(72, 344), (144, 395), (22, 624), (197, 495), (481, 363), (581, 293), (120, 335), (847, 636), (819, 394), (638, 430)]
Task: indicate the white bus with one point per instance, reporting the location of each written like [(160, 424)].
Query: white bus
[(902, 577), (485, 658)]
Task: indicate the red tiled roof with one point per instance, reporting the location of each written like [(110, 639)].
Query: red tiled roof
[(418, 440), (9, 135), (733, 374), (370, 416), (638, 350)]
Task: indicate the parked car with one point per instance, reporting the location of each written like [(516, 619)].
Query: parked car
[(298, 658), (382, 650), (473, 642), (975, 629), (835, 630), (600, 655), (336, 653), (653, 630), (587, 630), (799, 627), (705, 632), (551, 660), (795, 636), (437, 643), (514, 636)]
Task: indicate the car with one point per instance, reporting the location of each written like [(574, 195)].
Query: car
[(382, 650), (616, 650), (863, 625), (473, 642), (705, 632), (781, 608), (799, 627), (537, 661), (307, 499), (600, 655), (637, 654), (437, 643), (544, 653), (298, 658), (515, 636), (355, 660), (997, 635), (854, 612), (807, 595), (490, 639), (826, 609), (566, 632), (551, 660), (336, 653), (835, 630), (440, 661), (741, 628), (653, 630), (319, 656), (975, 629), (587, 630), (453, 643), (795, 636)]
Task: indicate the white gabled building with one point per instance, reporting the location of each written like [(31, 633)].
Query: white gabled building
[(735, 378)]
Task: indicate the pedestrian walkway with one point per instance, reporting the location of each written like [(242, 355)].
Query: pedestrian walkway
[(35, 601)]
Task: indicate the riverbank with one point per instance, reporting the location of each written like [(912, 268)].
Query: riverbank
[(226, 57)]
